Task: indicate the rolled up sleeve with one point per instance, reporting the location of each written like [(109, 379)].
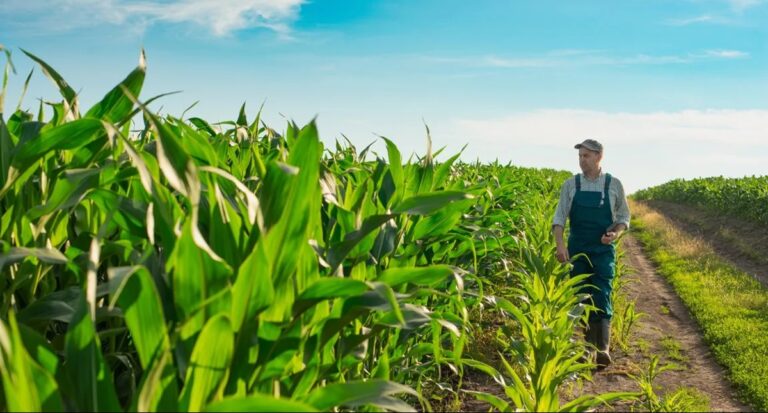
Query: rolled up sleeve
[(621, 213), (563, 206)]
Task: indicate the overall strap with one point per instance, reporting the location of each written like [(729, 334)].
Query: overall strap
[(607, 183), (578, 183)]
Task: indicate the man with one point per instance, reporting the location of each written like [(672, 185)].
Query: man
[(596, 206)]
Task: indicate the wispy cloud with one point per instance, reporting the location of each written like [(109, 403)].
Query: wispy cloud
[(556, 127), (726, 54), (571, 58), (741, 5), (220, 17), (703, 19)]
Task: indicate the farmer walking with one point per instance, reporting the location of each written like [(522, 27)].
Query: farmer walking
[(596, 206)]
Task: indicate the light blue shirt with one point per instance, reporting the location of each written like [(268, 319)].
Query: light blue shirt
[(619, 207)]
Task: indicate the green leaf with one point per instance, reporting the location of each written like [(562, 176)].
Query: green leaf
[(6, 148), (285, 242), (253, 290), (589, 401), (89, 375), (413, 317), (355, 393), (115, 106), (327, 288), (66, 91), (252, 203), (159, 391), (258, 403), (49, 308), (198, 145), (28, 387), (416, 275), (68, 191), (491, 399), (485, 368), (143, 311), (389, 294), (210, 363), (384, 243), (425, 204), (396, 170), (16, 254), (39, 349), (442, 171), (70, 135), (440, 222), (196, 275), (201, 124), (338, 252)]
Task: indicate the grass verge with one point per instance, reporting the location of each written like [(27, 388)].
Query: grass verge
[(729, 305)]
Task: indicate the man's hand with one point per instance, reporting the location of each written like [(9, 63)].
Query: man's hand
[(608, 237), (562, 254)]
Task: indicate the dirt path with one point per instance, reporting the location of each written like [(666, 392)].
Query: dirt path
[(668, 331)]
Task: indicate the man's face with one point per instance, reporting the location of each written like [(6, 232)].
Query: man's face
[(589, 161)]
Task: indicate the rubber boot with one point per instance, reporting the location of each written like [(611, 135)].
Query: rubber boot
[(603, 339), (590, 336)]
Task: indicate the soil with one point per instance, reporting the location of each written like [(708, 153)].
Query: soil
[(666, 329)]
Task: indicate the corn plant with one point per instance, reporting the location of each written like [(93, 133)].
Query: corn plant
[(674, 401), (187, 267), (741, 197)]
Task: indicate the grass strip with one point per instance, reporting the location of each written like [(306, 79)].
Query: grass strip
[(729, 305)]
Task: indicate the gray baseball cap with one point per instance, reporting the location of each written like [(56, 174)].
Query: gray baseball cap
[(590, 144)]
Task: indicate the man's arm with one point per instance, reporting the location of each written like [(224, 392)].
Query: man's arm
[(562, 250), (558, 222), (613, 233), (621, 213)]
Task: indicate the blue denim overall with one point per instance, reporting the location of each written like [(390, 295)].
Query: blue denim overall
[(590, 217)]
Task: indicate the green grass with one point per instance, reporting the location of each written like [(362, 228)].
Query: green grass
[(674, 349), (729, 305), (643, 346), (689, 399)]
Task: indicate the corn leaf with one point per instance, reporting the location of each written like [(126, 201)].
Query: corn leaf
[(258, 403), (354, 394), (89, 374), (416, 275), (427, 203), (210, 363), (116, 106)]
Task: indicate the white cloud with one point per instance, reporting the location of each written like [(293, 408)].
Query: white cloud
[(220, 17), (726, 54), (642, 149), (555, 127), (571, 58), (741, 5), (703, 19)]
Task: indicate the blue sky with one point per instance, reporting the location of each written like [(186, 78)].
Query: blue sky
[(673, 88)]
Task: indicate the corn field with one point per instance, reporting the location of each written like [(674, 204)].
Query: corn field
[(745, 197), (163, 264)]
